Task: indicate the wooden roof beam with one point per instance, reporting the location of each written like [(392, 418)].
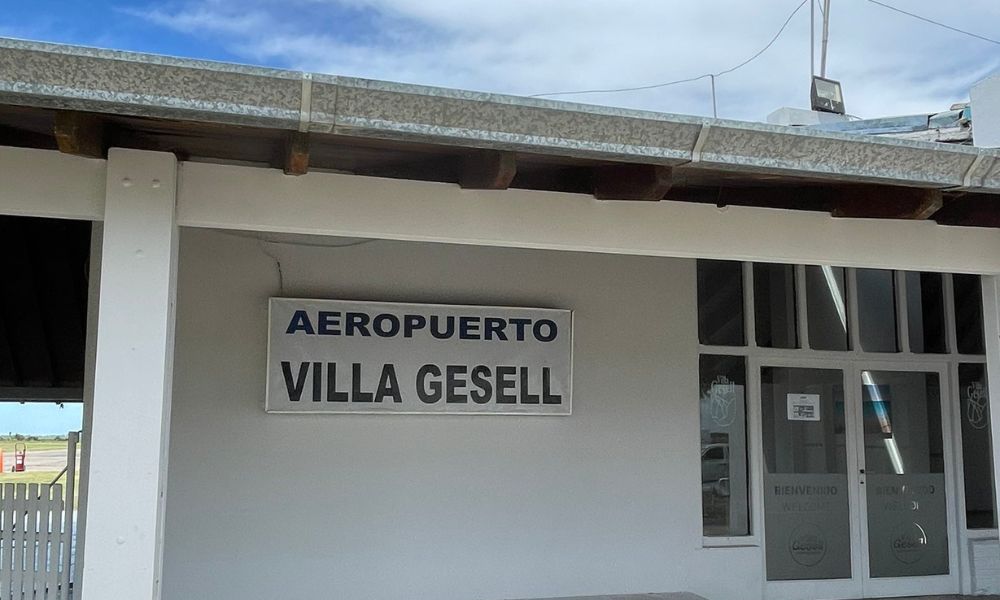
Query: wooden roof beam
[(884, 202), (488, 170), (296, 155), (632, 182), (80, 134)]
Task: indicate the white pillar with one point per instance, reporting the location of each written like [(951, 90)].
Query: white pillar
[(132, 380), (985, 97), (93, 303), (991, 327)]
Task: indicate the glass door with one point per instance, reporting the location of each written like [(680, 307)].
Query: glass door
[(856, 481), (908, 516), (809, 482)]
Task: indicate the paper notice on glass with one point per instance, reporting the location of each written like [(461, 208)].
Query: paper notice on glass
[(803, 407)]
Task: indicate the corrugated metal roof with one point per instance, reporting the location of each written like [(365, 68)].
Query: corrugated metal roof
[(952, 126), (69, 77)]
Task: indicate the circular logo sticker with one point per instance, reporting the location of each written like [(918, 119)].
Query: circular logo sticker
[(807, 545), (909, 543)]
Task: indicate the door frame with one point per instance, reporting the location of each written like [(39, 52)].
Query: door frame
[(950, 583), (861, 584), (819, 589)]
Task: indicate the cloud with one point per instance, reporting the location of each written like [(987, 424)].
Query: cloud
[(888, 63), (211, 17)]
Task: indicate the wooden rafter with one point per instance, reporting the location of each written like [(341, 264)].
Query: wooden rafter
[(296, 156), (488, 170), (884, 202), (81, 134), (632, 182)]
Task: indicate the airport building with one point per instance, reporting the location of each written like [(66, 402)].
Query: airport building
[(342, 338)]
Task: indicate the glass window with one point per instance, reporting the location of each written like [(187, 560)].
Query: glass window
[(720, 303), (877, 310), (724, 484), (968, 314), (925, 312), (774, 305), (977, 453), (826, 308)]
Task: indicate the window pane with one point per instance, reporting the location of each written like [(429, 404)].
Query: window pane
[(925, 312), (720, 303), (774, 305), (968, 314), (877, 310), (977, 455), (826, 307), (724, 490)]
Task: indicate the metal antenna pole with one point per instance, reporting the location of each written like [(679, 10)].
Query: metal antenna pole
[(826, 37), (812, 38), (715, 108)]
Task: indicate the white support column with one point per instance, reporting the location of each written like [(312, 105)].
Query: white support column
[(93, 304), (991, 326), (132, 382)]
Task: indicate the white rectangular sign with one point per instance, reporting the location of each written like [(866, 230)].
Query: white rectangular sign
[(335, 356), (803, 407)]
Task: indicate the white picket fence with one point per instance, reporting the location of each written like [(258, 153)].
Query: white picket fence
[(36, 536), (35, 544)]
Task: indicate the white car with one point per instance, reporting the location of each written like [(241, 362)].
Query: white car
[(714, 463)]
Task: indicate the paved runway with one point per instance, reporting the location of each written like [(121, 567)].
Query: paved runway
[(40, 460)]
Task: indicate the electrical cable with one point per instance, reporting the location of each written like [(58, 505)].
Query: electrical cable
[(939, 24), (629, 89), (769, 44), (689, 79)]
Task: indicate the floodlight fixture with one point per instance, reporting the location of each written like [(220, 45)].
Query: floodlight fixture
[(827, 96)]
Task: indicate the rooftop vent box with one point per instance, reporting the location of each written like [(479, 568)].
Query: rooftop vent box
[(801, 117)]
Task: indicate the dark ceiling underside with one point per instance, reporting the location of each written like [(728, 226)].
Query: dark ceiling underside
[(43, 303), (91, 134)]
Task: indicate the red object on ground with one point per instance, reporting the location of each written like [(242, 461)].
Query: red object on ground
[(20, 451)]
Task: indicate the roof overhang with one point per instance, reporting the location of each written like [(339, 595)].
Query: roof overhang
[(201, 109)]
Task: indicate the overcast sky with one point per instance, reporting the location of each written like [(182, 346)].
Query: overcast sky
[(889, 63)]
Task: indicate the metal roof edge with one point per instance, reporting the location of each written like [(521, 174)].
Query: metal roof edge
[(145, 58), (61, 76)]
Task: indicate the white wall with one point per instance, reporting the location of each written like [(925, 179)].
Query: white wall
[(985, 97), (444, 507)]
